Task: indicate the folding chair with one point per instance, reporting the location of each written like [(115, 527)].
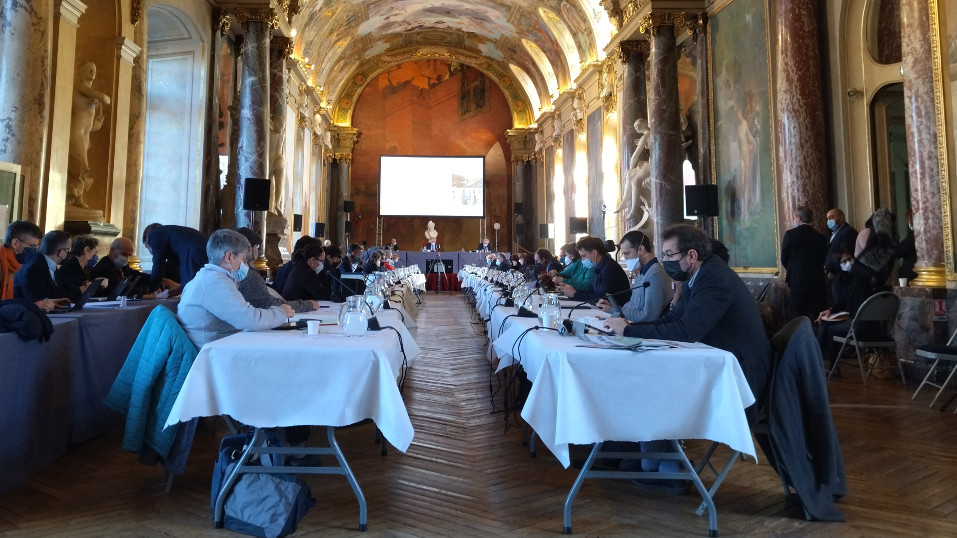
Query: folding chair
[(881, 307), (947, 353)]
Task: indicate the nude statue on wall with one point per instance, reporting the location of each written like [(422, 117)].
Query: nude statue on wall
[(87, 117)]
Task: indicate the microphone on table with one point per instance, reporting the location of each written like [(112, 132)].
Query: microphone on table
[(614, 303), (609, 296), (525, 312)]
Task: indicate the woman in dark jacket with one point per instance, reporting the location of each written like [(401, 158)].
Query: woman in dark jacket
[(303, 281), (72, 274)]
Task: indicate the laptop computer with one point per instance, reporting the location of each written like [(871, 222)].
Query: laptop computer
[(123, 287), (85, 298)]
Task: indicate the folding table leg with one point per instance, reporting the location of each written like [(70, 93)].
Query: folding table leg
[(233, 476), (363, 513), (577, 486)]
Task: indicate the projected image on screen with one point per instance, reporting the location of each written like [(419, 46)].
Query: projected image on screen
[(431, 186)]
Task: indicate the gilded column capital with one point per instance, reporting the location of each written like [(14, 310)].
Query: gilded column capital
[(343, 139), (267, 15), (136, 12), (523, 157), (337, 156), (627, 48), (660, 19), (521, 141), (300, 120), (223, 22), (282, 43), (613, 8), (70, 11)]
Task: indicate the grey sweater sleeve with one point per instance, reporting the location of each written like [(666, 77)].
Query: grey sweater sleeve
[(253, 288)]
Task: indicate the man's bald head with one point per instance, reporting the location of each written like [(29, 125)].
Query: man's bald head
[(121, 246), (837, 215)]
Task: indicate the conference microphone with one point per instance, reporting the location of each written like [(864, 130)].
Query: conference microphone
[(341, 283), (614, 304), (525, 312)]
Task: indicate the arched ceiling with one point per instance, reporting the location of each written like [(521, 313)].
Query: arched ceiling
[(346, 42)]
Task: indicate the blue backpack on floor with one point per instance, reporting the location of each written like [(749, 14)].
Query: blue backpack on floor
[(260, 504)]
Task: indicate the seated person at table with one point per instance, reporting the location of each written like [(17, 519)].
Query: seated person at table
[(526, 266), (393, 246), (22, 238), (575, 274), (115, 266), (546, 263), (304, 282), (37, 279), (387, 261), (330, 272), (212, 307), (351, 265), (374, 264), (609, 276), (283, 272), (502, 263), (431, 246), (254, 289), (186, 245), (716, 308), (647, 303), (855, 284), (483, 246), (71, 276)]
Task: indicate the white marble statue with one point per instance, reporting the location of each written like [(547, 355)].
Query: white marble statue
[(430, 232), (277, 163), (87, 117), (633, 202)]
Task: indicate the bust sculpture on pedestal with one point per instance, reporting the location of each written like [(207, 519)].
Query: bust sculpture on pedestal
[(430, 232), (87, 117)]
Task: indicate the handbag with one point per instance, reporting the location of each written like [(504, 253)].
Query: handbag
[(268, 505)]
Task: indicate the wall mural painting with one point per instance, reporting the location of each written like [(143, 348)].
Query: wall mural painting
[(743, 158), (473, 89)]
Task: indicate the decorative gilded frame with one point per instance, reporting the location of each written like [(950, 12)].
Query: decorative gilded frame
[(717, 7), (944, 112)]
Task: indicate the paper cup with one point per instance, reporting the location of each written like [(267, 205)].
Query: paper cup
[(902, 282), (312, 326)]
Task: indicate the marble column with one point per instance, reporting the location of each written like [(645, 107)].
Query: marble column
[(923, 163), (530, 203), (211, 209), (342, 191), (53, 200), (518, 197), (667, 155), (26, 31), (276, 223), (703, 117), (136, 144), (799, 122), (634, 106), (253, 147)]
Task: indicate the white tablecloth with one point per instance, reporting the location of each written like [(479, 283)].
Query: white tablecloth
[(288, 378), (586, 395)]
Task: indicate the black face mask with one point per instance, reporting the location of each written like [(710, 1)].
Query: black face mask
[(27, 255), (674, 270)]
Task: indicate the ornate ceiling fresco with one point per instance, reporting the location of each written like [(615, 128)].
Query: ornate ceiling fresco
[(346, 42)]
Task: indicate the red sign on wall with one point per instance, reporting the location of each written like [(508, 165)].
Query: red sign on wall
[(940, 310)]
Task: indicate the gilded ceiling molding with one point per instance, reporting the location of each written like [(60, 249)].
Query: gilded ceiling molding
[(632, 8), (627, 48), (659, 19), (578, 111), (697, 25), (607, 90), (267, 15), (223, 22), (615, 15), (348, 92), (281, 43), (283, 6), (300, 120), (136, 12)]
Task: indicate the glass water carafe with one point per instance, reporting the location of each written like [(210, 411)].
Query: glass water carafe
[(352, 316)]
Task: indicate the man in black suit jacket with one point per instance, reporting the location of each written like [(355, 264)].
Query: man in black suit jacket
[(484, 246), (351, 264), (431, 246), (609, 276), (186, 245), (37, 279), (843, 237), (715, 308), (803, 251)]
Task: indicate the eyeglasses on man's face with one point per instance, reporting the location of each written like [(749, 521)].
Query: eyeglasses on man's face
[(673, 256)]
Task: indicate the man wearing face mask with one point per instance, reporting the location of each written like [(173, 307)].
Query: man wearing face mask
[(19, 247), (37, 279), (715, 308), (843, 237), (254, 289), (114, 267), (212, 307), (646, 303), (609, 276)]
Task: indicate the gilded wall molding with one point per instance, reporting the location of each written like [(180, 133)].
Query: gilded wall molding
[(658, 19), (632, 8), (223, 22), (282, 43), (266, 15), (615, 15), (283, 6), (136, 11), (627, 48), (607, 87), (946, 212)]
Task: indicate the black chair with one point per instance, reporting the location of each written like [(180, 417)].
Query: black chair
[(880, 308), (947, 353)]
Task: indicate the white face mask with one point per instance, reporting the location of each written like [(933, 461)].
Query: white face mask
[(318, 268), (631, 264), (846, 266)]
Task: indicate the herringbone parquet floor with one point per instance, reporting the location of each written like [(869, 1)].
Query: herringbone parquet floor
[(464, 475)]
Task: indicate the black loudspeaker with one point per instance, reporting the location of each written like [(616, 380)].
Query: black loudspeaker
[(578, 225), (348, 206), (543, 231), (519, 228), (319, 229), (296, 222), (701, 200), (255, 194), (348, 226), (518, 208)]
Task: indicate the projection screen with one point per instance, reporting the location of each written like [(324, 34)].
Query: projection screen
[(417, 186)]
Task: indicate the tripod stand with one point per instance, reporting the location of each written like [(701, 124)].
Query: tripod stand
[(439, 267)]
